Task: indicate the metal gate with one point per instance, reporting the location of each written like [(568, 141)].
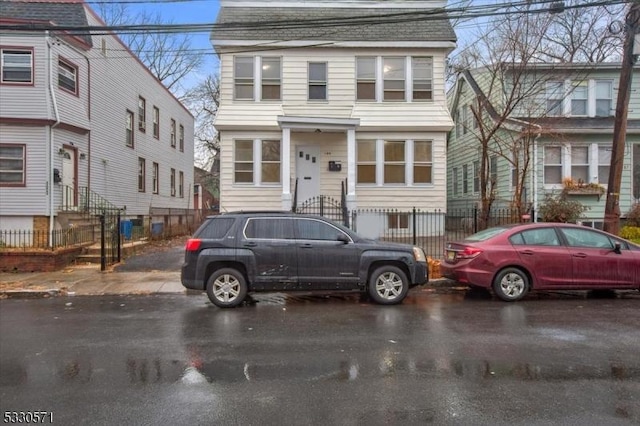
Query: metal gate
[(325, 206), (110, 241)]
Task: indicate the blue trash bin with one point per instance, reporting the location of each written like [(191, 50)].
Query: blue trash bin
[(157, 228), (126, 228)]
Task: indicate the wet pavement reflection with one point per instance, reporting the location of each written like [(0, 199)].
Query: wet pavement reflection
[(437, 358)]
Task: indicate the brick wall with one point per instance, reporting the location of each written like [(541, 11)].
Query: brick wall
[(41, 227), (37, 261)]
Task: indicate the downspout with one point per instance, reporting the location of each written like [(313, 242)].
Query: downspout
[(51, 138), (534, 218)]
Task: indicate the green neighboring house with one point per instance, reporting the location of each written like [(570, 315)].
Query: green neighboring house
[(556, 136)]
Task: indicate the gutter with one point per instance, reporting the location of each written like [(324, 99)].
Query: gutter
[(50, 135)]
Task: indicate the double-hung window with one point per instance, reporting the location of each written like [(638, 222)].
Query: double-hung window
[(243, 161), (173, 182), (579, 99), (555, 96), (181, 184), (271, 78), (12, 165), (141, 174), (172, 133), (129, 129), (67, 76), (394, 162), (604, 96), (422, 69), (243, 77), (394, 79), (465, 179), (270, 161), (422, 162), (17, 66), (154, 178), (156, 122), (476, 176), (318, 81), (454, 181), (366, 159), (266, 154), (604, 163), (580, 164), (181, 138), (552, 165), (142, 114), (366, 79)]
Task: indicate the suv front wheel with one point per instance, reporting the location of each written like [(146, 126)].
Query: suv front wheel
[(388, 285), (227, 288)]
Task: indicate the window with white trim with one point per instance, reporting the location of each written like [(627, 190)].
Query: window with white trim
[(155, 176), (422, 70), (604, 98), (17, 66), (271, 78), (579, 98), (181, 138), (173, 182), (422, 162), (67, 76), (243, 77), (552, 165), (394, 162), (243, 161), (156, 122), (554, 95), (604, 163), (366, 78), (181, 184), (465, 179), (265, 154), (366, 161), (129, 129), (172, 133), (393, 74), (12, 164), (318, 81), (270, 161), (580, 164)]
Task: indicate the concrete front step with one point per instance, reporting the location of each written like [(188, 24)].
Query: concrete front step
[(92, 254)]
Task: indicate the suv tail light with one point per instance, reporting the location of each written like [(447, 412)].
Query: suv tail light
[(193, 244), (468, 253)]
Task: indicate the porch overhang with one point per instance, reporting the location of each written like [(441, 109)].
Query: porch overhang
[(312, 124)]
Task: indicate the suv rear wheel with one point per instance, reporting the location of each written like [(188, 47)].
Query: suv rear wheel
[(388, 285), (226, 288)]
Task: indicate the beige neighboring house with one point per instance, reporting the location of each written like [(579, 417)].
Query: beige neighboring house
[(344, 100)]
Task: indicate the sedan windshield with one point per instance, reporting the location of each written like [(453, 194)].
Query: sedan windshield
[(486, 234)]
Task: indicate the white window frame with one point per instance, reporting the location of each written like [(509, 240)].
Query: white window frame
[(5, 159), (181, 184), (272, 81), (554, 92), (142, 114), (368, 81), (373, 162), (248, 81), (67, 72), (402, 60), (421, 163), (129, 133), (428, 81), (317, 83), (172, 133), (156, 122), (142, 174), (609, 98), (561, 165), (181, 138), (155, 178), (583, 86), (6, 53), (173, 182), (573, 164)]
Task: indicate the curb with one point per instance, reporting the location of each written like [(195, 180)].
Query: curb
[(29, 294)]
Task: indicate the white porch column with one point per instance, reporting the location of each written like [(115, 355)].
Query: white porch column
[(286, 168), (351, 169)]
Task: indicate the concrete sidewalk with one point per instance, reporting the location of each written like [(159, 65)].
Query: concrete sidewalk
[(88, 280)]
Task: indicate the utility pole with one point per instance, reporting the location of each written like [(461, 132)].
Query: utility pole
[(612, 207)]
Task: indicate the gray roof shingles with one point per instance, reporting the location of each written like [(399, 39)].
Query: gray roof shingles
[(63, 13), (336, 24)]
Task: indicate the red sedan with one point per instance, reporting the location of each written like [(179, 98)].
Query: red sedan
[(512, 260)]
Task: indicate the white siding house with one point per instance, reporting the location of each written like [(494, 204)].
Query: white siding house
[(338, 95), (65, 138)]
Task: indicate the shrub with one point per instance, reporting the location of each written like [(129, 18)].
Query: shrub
[(633, 216), (560, 209), (631, 233)]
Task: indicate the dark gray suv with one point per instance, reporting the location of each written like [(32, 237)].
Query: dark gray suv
[(233, 254)]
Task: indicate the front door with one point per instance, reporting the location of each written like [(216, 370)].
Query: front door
[(69, 178), (308, 172)]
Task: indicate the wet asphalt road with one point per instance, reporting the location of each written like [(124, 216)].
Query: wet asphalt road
[(307, 360)]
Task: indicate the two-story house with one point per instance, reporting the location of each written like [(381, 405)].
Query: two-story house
[(83, 121), (320, 96), (557, 138)]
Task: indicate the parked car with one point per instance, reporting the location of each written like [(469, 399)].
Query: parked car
[(233, 254), (512, 260)]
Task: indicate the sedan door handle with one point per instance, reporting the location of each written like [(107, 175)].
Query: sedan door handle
[(581, 255), (527, 252), (307, 245)]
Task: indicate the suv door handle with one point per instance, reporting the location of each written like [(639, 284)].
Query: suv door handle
[(250, 244), (581, 255), (307, 245)]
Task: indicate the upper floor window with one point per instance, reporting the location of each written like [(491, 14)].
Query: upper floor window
[(393, 71), (394, 162), (318, 81), (17, 66), (172, 133), (422, 162), (476, 176), (142, 113), (141, 174), (129, 129), (366, 79), (271, 78), (181, 184), (465, 179), (173, 182), (156, 122), (181, 138), (155, 178), (604, 96), (12, 165), (555, 95), (422, 69), (579, 99), (67, 76), (454, 180), (243, 77)]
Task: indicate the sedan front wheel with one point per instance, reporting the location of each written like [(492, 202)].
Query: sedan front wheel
[(511, 284)]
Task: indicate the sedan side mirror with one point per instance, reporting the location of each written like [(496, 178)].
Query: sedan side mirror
[(617, 248)]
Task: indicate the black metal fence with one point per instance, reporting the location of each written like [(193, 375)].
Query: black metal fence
[(58, 238), (429, 229)]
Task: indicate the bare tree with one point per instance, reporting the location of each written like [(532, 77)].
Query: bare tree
[(168, 55), (203, 101)]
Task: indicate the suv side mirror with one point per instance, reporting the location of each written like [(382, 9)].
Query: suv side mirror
[(343, 238)]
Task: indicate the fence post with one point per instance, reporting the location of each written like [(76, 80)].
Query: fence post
[(414, 226), (119, 241), (475, 219), (103, 254)]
